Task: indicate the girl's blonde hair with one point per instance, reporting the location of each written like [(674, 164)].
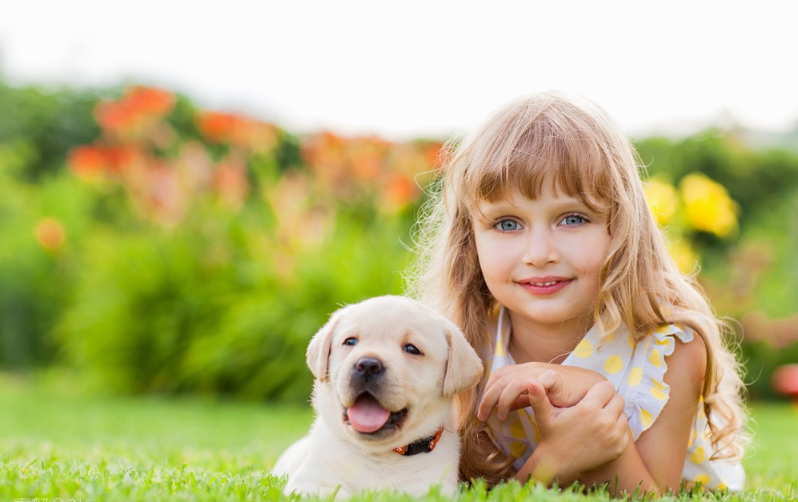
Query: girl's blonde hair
[(572, 142)]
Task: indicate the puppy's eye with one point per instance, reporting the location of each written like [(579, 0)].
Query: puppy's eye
[(412, 349), (351, 341)]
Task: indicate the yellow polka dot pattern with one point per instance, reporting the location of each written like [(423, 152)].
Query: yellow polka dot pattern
[(701, 478), (635, 377), (659, 391), (699, 455), (655, 358), (646, 418), (658, 394), (584, 349), (613, 364)]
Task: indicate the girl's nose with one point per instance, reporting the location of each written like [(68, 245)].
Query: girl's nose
[(541, 249)]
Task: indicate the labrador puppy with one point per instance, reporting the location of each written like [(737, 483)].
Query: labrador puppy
[(387, 370)]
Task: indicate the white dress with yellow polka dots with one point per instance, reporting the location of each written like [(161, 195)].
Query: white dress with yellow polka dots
[(637, 371)]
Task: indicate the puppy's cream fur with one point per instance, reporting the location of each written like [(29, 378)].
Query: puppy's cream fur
[(335, 456)]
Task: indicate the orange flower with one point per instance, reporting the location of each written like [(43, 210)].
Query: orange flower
[(115, 116), (119, 158), (236, 130), (89, 161), (139, 108), (50, 234), (401, 190), (149, 100), (86, 161), (216, 127)]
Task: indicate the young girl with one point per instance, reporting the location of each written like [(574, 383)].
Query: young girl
[(604, 362)]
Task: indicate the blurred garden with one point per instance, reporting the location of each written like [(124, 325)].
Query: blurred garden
[(150, 246)]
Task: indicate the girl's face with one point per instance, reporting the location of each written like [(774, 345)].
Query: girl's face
[(541, 258)]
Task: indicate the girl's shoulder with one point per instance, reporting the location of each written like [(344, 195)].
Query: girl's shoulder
[(676, 342)]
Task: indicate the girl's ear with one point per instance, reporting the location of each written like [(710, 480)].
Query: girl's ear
[(318, 354), (464, 367)]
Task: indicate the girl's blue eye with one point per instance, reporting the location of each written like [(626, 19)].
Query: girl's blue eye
[(573, 219), (351, 341), (507, 225)]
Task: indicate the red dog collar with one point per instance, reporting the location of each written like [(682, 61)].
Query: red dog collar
[(424, 445)]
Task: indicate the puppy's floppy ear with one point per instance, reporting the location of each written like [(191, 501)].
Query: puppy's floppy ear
[(464, 367), (318, 354)]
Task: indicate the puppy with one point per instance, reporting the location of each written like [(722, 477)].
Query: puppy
[(387, 370)]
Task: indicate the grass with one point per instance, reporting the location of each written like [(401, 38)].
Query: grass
[(56, 446)]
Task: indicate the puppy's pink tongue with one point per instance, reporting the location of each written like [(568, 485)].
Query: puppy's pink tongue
[(366, 415)]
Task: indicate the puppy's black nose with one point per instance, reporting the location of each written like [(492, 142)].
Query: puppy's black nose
[(368, 367)]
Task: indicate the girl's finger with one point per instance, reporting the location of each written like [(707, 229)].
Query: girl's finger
[(491, 397), (598, 396), (616, 405), (488, 402), (496, 384), (513, 392), (555, 388), (504, 372), (539, 402)]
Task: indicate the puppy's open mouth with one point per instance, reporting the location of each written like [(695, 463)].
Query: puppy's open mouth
[(367, 416)]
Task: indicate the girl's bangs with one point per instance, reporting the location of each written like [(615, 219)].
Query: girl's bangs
[(573, 164)]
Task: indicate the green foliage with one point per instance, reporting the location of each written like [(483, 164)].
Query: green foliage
[(33, 280), (47, 124), (205, 307)]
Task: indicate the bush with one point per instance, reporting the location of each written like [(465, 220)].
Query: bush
[(233, 245), (214, 307)]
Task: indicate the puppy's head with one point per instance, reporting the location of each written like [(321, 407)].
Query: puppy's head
[(387, 369)]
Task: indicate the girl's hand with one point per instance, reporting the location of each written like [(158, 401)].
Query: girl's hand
[(507, 388), (578, 439)]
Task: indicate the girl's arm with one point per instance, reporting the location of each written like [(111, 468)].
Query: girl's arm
[(656, 460)]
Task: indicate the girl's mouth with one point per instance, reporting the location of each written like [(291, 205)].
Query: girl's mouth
[(545, 287)]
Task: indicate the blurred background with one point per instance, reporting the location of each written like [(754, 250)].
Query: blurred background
[(187, 190)]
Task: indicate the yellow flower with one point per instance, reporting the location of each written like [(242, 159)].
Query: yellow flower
[(684, 255), (708, 206), (662, 200)]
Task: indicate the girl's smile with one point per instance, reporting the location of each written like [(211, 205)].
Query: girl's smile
[(541, 258), (544, 285)]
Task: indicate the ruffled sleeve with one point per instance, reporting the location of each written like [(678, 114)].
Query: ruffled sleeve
[(647, 392)]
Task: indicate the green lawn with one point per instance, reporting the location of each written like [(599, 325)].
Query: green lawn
[(59, 445)]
